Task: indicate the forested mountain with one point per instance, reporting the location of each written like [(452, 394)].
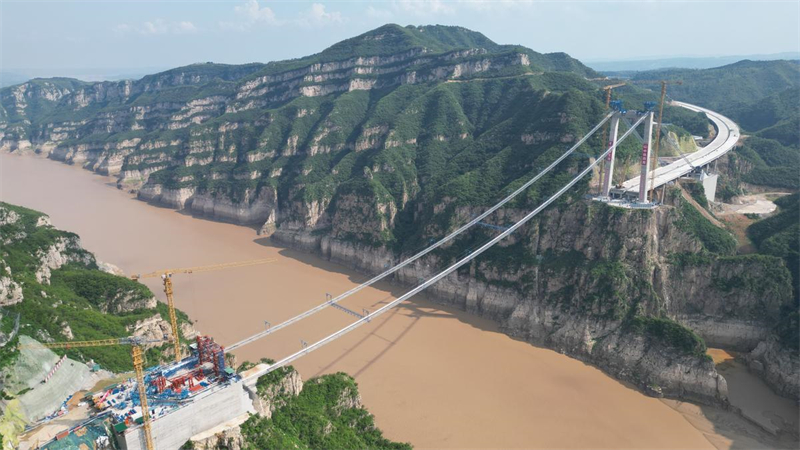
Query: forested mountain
[(763, 98), (614, 68), (52, 290), (731, 86), (402, 115), (371, 149), (774, 117)]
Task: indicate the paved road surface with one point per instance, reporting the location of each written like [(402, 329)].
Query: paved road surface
[(726, 138)]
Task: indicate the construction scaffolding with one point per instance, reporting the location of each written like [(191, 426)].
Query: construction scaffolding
[(164, 390)]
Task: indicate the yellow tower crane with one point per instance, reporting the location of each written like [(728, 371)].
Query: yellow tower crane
[(608, 90), (166, 276), (664, 84), (138, 367)]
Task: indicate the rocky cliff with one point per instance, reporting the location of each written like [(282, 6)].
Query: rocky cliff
[(56, 292), (624, 289), (382, 143), (324, 412), (278, 143)]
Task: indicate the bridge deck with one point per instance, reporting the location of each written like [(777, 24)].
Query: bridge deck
[(726, 138)]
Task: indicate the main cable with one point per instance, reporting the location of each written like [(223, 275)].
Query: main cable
[(443, 273), (425, 251)]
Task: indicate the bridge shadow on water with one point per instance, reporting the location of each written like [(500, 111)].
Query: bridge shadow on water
[(417, 307), (723, 428)]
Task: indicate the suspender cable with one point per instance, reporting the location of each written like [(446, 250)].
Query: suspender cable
[(425, 251), (443, 273)]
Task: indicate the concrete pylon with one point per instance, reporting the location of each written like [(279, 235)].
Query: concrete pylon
[(648, 141), (609, 169)]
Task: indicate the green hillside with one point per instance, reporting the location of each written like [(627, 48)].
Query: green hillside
[(401, 117), (326, 414), (779, 235), (727, 87), (763, 97), (74, 301)]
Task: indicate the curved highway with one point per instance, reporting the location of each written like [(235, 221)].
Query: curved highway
[(727, 136)]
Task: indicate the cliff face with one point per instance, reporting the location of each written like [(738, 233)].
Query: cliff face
[(323, 412), (588, 280), (279, 144), (778, 367), (382, 143), (51, 289)]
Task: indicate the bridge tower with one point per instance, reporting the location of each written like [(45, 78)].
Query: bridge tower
[(646, 146), (609, 165)]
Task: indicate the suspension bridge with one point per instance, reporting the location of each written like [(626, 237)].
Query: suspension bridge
[(198, 392), (726, 137)]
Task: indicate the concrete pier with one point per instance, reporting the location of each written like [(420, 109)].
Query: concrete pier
[(206, 411)]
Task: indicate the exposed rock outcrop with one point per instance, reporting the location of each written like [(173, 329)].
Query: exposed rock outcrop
[(589, 267), (228, 438), (268, 144), (159, 330), (63, 251), (10, 290), (271, 396), (779, 367), (152, 328), (126, 301), (333, 395)]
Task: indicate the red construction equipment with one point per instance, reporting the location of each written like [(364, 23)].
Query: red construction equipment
[(210, 351)]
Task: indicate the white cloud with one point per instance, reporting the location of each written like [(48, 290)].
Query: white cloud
[(377, 13), (318, 16), (424, 7), (251, 14), (157, 26), (185, 27), (255, 13), (431, 7), (122, 28)]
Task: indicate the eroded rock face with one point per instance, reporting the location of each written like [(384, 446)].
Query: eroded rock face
[(575, 293), (274, 396), (110, 268), (152, 328), (285, 384), (228, 439), (248, 150), (254, 208), (362, 217), (61, 252), (778, 366), (10, 290), (126, 302), (159, 329)]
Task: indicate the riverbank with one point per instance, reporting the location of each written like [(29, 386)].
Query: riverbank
[(433, 375)]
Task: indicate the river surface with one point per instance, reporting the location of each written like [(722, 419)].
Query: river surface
[(432, 375)]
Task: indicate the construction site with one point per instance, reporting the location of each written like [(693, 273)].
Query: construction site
[(164, 406), (160, 407), (173, 403)]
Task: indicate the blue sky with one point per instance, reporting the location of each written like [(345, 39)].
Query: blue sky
[(69, 35)]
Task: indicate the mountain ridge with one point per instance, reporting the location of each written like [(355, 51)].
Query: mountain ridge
[(371, 157)]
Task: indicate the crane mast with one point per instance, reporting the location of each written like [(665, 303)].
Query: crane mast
[(605, 127), (173, 320), (138, 362), (166, 276), (664, 84), (138, 367)]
